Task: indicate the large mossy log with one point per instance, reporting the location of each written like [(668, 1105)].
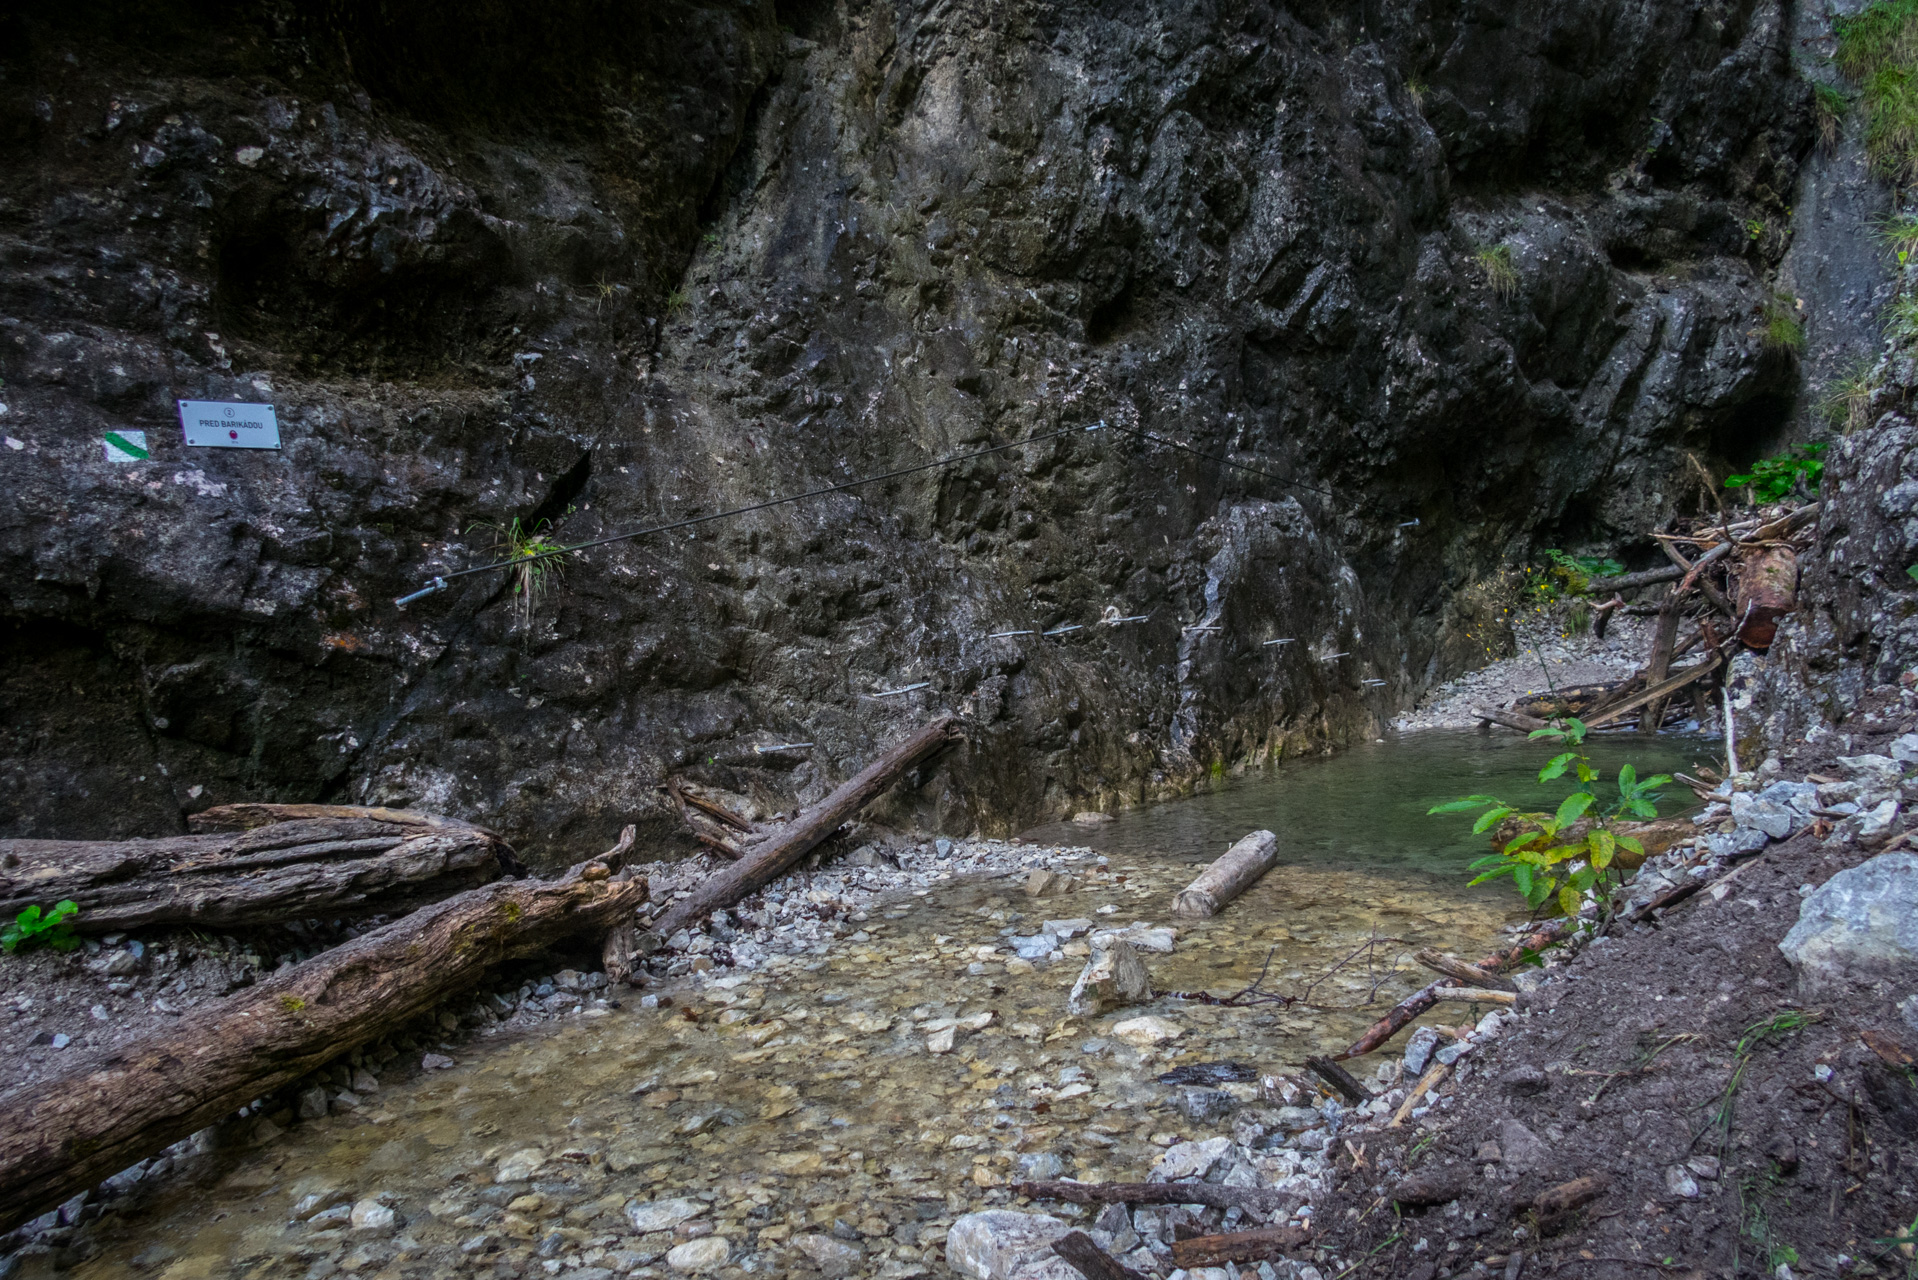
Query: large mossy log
[(67, 1133), (256, 864)]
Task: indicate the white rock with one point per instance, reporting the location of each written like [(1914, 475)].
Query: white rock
[(520, 1166), (1876, 824), (1905, 750), (999, 1244), (1185, 1160), (1112, 979), (1878, 773), (1679, 1181), (662, 1215), (1418, 1050), (1067, 928), (941, 1041), (702, 1254), (1149, 1030), (1863, 918), (371, 1215), (1143, 936)]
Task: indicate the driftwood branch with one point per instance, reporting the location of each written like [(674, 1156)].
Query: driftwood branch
[(257, 864), (1659, 691), (1092, 1262), (1211, 1195), (1453, 967), (1340, 1079), (110, 1109), (1236, 1246), (762, 863)]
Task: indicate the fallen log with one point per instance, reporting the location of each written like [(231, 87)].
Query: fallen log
[(1475, 995), (1660, 691), (1397, 1020), (1212, 1195), (110, 1109), (1236, 1246), (257, 864), (1511, 719), (1453, 967), (1236, 870), (1428, 1082), (762, 863), (1340, 1079), (1083, 1253), (1781, 527)]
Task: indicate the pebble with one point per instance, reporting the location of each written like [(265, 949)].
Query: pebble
[(1146, 1031), (662, 1215)]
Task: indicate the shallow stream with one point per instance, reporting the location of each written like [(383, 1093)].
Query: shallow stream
[(797, 1112)]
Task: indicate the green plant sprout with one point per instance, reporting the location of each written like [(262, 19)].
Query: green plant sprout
[(1781, 332), (1553, 859), (536, 564), (1501, 272), (675, 301), (36, 927), (1846, 403), (1755, 229), (1773, 478), (1899, 231), (1829, 107), (1878, 50)]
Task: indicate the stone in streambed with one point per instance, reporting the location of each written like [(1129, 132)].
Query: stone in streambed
[(834, 1258), (1147, 1031), (1112, 979), (699, 1255), (999, 1244), (1049, 884), (662, 1215)]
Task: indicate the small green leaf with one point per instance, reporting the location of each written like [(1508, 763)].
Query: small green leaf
[(1573, 808), (1491, 818), (1627, 778), (1522, 876), (1586, 773), (1631, 845), (1556, 766), (1568, 901), (1525, 841), (1463, 805)]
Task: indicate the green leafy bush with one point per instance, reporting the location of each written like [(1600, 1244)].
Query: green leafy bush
[(50, 928), (1548, 861), (1773, 478), (536, 557)]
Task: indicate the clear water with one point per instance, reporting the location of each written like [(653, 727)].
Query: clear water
[(1366, 807), (806, 1095)]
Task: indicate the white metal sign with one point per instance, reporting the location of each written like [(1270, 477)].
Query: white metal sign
[(220, 424)]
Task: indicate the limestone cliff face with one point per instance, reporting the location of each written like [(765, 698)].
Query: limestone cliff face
[(612, 266)]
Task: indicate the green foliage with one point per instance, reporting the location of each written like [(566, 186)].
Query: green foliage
[(1878, 50), (1501, 272), (1829, 107), (536, 556), (1417, 89), (1755, 229), (1846, 403), (1781, 332), (1773, 478), (675, 301), (1900, 232), (1566, 577), (1901, 320), (50, 928), (1903, 1241), (1548, 862)]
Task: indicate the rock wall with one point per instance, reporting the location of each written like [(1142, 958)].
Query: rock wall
[(1489, 271)]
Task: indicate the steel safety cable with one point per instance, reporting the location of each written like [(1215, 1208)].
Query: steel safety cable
[(440, 581)]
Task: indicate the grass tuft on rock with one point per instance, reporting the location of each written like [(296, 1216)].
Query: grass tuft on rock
[(1878, 50), (1782, 333), (1501, 272)]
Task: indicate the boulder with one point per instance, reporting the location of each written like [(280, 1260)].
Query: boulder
[(1142, 936), (1863, 920), (1049, 884), (1112, 979), (998, 1244), (1418, 1050)]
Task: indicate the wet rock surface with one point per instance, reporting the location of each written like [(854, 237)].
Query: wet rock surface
[(540, 265)]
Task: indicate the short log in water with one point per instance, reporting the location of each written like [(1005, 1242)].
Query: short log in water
[(1237, 870)]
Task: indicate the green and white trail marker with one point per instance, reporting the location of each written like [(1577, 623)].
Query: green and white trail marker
[(126, 446)]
